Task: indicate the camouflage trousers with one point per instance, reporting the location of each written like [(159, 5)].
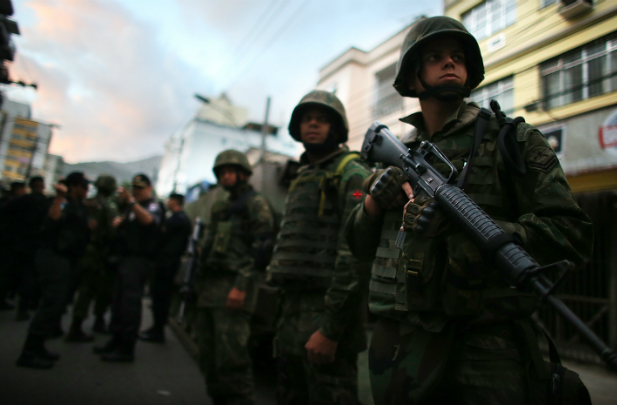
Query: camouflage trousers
[(301, 382), (224, 357), (96, 284), (483, 366)]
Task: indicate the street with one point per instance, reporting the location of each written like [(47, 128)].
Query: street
[(161, 374)]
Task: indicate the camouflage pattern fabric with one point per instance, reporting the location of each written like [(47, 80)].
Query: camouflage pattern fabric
[(223, 334), (224, 358), (433, 282), (331, 305), (96, 281)]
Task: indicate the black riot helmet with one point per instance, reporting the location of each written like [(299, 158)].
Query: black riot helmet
[(421, 33)]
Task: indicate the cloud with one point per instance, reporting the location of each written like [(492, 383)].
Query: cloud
[(104, 77)]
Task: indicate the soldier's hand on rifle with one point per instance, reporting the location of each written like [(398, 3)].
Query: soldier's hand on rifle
[(320, 349), (117, 221), (235, 299), (385, 187), (422, 216)]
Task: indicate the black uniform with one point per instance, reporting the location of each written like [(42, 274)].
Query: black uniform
[(173, 244), (138, 244), (62, 243), (22, 221)]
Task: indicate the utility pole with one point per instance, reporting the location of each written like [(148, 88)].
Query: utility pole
[(262, 152), (264, 133)]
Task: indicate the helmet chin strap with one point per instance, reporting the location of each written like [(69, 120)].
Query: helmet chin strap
[(446, 92), (326, 146)]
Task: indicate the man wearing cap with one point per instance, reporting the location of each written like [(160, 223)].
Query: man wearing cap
[(96, 279), (450, 329), (64, 239), (138, 233), (320, 328), (173, 245)]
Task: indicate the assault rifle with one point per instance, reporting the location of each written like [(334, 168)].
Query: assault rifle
[(189, 268), (518, 267)]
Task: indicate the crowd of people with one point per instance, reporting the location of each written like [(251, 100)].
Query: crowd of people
[(449, 328), (63, 253)]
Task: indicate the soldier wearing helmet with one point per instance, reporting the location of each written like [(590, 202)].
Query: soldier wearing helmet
[(320, 329), (96, 279), (450, 330), (238, 243)]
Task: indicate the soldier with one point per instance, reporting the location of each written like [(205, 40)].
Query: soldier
[(450, 329), (238, 243), (138, 233), (173, 244), (96, 280), (320, 328), (64, 239)]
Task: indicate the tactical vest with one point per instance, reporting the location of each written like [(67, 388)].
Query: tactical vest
[(307, 243), (231, 236), (446, 274)]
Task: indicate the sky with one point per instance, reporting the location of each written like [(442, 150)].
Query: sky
[(118, 76)]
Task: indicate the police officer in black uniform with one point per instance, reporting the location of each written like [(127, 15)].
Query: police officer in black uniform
[(174, 240), (63, 240), (139, 233), (23, 218)]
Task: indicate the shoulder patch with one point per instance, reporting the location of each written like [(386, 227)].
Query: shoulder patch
[(541, 158)]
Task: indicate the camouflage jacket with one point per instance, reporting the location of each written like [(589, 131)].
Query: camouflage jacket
[(433, 280), (232, 232), (341, 284)]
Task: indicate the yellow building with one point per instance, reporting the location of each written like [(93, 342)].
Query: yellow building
[(555, 63), (23, 143)]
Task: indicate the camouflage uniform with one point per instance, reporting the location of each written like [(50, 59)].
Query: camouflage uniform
[(450, 329), (97, 280), (320, 280), (236, 229)]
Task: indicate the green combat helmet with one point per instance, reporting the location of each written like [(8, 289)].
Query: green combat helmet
[(323, 99), (232, 157), (429, 29), (105, 184)]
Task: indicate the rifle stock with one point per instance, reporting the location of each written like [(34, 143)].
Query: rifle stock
[(518, 268)]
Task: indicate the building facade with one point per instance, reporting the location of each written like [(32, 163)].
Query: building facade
[(23, 142), (190, 152), (54, 169), (362, 80)]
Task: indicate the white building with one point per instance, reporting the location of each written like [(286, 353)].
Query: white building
[(362, 80), (190, 153), (23, 142)]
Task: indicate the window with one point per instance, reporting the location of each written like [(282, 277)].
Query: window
[(490, 17), (387, 100), (501, 90), (544, 3), (580, 74)]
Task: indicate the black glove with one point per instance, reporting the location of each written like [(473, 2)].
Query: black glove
[(423, 217), (384, 186)]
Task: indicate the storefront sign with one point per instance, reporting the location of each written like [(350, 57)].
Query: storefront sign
[(607, 133)]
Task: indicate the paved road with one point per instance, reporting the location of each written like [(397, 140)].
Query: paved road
[(161, 375)]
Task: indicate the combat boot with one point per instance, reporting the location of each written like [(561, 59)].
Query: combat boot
[(76, 335), (124, 353), (111, 345), (35, 354), (154, 335)]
